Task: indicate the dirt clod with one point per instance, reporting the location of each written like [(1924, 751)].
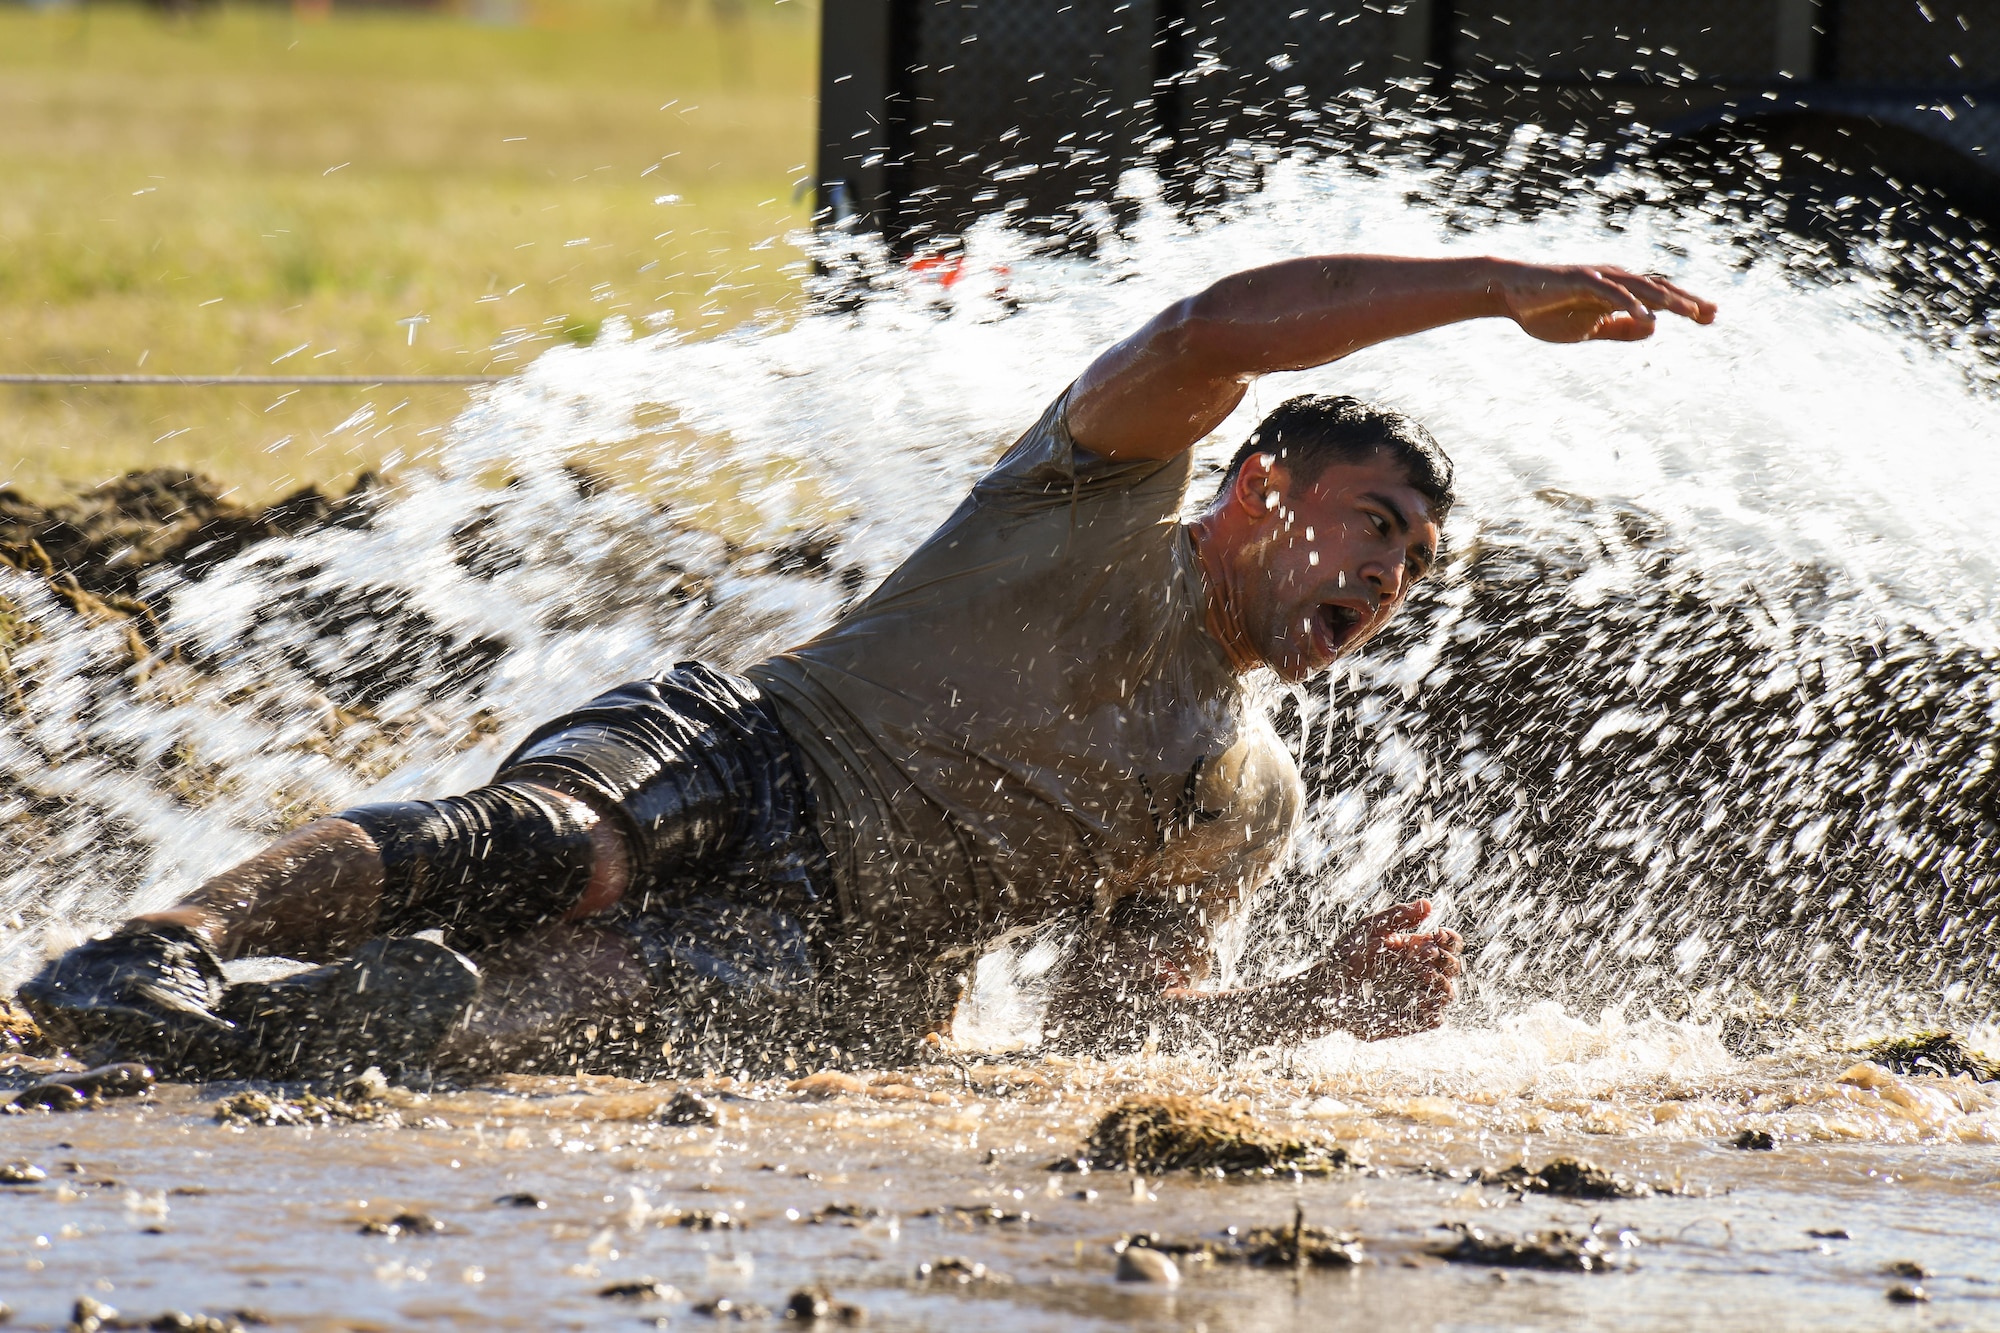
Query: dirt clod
[(1933, 1052), (813, 1304), (1160, 1134), (842, 1214), (1569, 1178), (640, 1289), (71, 1092), (251, 1107), (1290, 1245), (1755, 1140), (19, 1033), (21, 1173), (1909, 1268), (402, 1224), (702, 1219), (1907, 1293), (979, 1214), (726, 1309), (1567, 1251), (687, 1108), (89, 1315), (953, 1271)]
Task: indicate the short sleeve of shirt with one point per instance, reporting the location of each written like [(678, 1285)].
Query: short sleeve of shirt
[(1047, 466)]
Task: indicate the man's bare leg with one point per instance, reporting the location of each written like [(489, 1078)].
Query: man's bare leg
[(154, 989), (316, 893)]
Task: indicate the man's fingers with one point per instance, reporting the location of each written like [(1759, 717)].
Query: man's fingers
[(1620, 296), (1396, 920), (1660, 293)]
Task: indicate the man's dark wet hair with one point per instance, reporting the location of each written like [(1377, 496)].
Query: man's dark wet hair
[(1313, 430)]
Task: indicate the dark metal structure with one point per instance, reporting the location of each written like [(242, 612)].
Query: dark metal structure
[(934, 112)]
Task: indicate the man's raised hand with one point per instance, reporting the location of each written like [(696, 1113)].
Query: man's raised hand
[(1573, 303), (1388, 980)]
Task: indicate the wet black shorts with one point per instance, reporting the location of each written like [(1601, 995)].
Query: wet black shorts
[(731, 891)]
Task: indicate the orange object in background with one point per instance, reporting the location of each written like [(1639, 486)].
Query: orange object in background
[(947, 269)]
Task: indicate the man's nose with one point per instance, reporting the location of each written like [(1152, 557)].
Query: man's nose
[(1384, 578)]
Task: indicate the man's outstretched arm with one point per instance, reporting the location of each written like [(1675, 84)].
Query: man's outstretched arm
[(1382, 978), (1167, 386)]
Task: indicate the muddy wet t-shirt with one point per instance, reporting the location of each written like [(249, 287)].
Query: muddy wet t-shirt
[(1029, 716)]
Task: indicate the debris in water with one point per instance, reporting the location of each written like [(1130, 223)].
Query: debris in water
[(21, 1173), (49, 1096), (1932, 1052), (1829, 1233), (842, 1214), (1295, 1245), (370, 1085), (700, 1219), (251, 1107), (71, 1092), (809, 1304), (978, 1213), (1569, 1177), (19, 1033), (1906, 1268), (403, 1224), (1142, 1263), (1159, 1134), (1755, 1140), (1904, 1293), (1569, 1251), (743, 1311), (89, 1315), (687, 1108), (641, 1289), (519, 1201), (953, 1271)]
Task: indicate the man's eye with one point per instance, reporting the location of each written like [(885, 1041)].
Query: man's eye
[(1380, 524)]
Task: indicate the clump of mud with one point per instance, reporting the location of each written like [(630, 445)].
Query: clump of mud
[(92, 549), (101, 540), (1296, 1245), (251, 1107), (1933, 1052), (1154, 1135), (1570, 1178), (19, 1034), (1564, 1251)]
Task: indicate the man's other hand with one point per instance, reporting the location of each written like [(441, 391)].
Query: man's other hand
[(1573, 303), (1389, 980)]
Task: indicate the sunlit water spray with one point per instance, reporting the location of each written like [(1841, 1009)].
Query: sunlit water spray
[(1696, 723)]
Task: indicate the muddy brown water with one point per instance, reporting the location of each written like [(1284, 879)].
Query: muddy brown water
[(153, 1206)]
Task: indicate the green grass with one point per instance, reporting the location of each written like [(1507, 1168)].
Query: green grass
[(208, 195)]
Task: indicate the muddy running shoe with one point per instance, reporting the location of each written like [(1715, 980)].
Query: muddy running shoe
[(147, 993), (389, 1005)]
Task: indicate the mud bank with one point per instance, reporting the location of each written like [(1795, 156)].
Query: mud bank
[(928, 1198)]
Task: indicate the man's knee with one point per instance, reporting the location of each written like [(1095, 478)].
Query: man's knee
[(483, 866)]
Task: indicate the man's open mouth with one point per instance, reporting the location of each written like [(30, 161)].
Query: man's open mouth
[(1338, 625)]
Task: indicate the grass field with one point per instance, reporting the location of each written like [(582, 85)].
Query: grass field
[(255, 192)]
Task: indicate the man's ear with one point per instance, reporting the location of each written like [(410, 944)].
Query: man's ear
[(1260, 485)]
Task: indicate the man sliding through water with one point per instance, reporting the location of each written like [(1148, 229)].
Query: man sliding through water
[(1039, 721)]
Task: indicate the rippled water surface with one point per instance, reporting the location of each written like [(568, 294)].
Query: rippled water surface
[(1692, 737), (161, 1208)]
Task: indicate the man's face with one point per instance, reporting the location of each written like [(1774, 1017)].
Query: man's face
[(1322, 566)]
